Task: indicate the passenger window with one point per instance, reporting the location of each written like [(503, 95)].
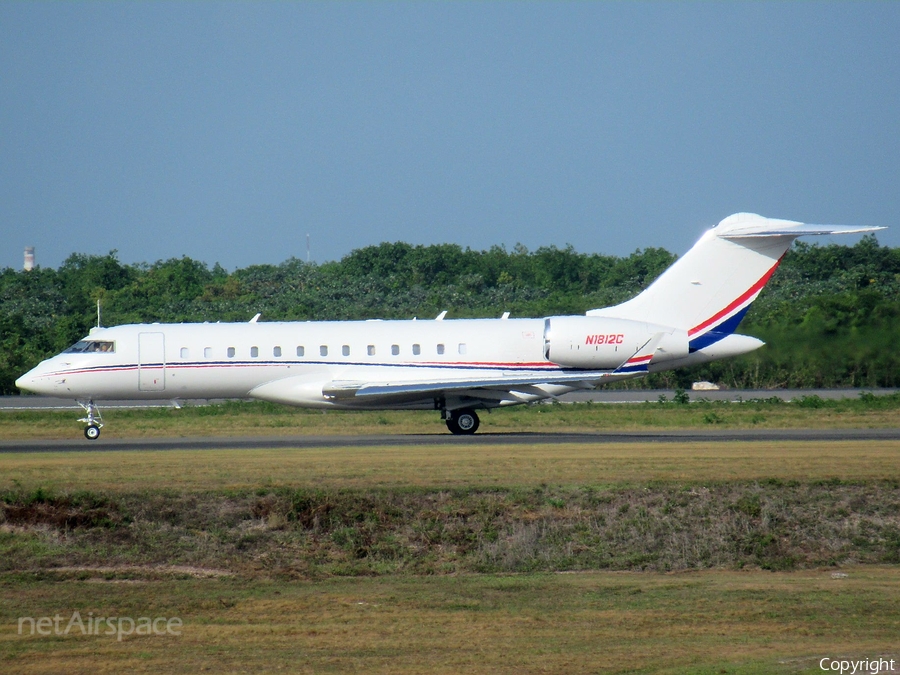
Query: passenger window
[(440, 348), (254, 352), (207, 352), (462, 347), (231, 352), (370, 350), (301, 350), (323, 350), (417, 350), (345, 350), (185, 353), (276, 351), (395, 349)]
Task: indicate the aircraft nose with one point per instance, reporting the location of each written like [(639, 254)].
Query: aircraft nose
[(24, 382), (34, 383)]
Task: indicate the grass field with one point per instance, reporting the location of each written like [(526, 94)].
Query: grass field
[(451, 466), (705, 622), (642, 558)]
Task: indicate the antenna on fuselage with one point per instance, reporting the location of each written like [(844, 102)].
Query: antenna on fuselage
[(98, 312)]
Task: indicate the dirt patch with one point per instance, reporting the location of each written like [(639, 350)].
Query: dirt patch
[(66, 512)]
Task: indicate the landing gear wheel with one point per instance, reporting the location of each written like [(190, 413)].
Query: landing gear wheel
[(93, 420), (463, 422)]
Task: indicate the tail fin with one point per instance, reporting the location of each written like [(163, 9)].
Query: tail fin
[(707, 292)]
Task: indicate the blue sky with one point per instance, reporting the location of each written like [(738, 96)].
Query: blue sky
[(227, 132)]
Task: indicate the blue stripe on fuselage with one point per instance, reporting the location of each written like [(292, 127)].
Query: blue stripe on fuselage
[(723, 330)]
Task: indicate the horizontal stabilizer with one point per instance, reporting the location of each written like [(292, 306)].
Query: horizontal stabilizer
[(742, 225)]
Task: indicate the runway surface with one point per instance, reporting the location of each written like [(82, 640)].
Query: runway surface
[(486, 439)]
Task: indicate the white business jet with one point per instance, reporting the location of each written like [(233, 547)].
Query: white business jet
[(686, 317)]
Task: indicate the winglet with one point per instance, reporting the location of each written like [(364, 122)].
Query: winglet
[(639, 362)]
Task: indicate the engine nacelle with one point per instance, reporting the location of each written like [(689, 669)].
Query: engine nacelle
[(302, 390), (600, 343)]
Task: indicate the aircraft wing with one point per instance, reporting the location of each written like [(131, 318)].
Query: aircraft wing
[(346, 389), (355, 385), (635, 366)]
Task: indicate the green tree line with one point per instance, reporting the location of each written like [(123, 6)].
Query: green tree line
[(830, 314)]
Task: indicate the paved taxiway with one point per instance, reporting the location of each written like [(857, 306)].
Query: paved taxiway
[(79, 444), (486, 439)]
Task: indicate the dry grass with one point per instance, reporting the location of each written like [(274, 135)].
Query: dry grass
[(707, 622), (321, 532), (456, 465)]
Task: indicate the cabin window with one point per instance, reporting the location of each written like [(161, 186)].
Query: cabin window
[(395, 349), (207, 352), (417, 349), (440, 348), (370, 350), (301, 350), (231, 352), (345, 350), (276, 352), (462, 347), (323, 350), (254, 352), (185, 353)]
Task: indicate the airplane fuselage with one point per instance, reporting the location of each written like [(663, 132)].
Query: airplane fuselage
[(235, 360)]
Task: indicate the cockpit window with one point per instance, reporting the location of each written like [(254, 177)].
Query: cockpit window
[(91, 346)]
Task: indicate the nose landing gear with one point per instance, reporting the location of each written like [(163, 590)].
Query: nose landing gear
[(93, 419)]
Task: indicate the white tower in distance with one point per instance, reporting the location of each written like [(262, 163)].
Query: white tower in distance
[(29, 258)]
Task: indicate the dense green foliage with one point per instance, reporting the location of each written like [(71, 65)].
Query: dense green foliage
[(829, 314)]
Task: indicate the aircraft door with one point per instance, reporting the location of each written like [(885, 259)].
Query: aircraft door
[(151, 361)]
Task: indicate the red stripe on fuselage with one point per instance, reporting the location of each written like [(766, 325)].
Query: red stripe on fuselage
[(466, 365)]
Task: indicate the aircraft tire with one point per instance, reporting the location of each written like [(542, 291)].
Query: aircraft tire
[(464, 422), (92, 432)]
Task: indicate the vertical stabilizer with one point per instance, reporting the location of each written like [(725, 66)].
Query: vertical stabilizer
[(708, 290)]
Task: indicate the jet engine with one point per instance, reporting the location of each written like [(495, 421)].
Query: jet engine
[(599, 343)]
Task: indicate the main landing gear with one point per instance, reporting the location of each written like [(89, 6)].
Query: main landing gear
[(93, 419), (463, 421)]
